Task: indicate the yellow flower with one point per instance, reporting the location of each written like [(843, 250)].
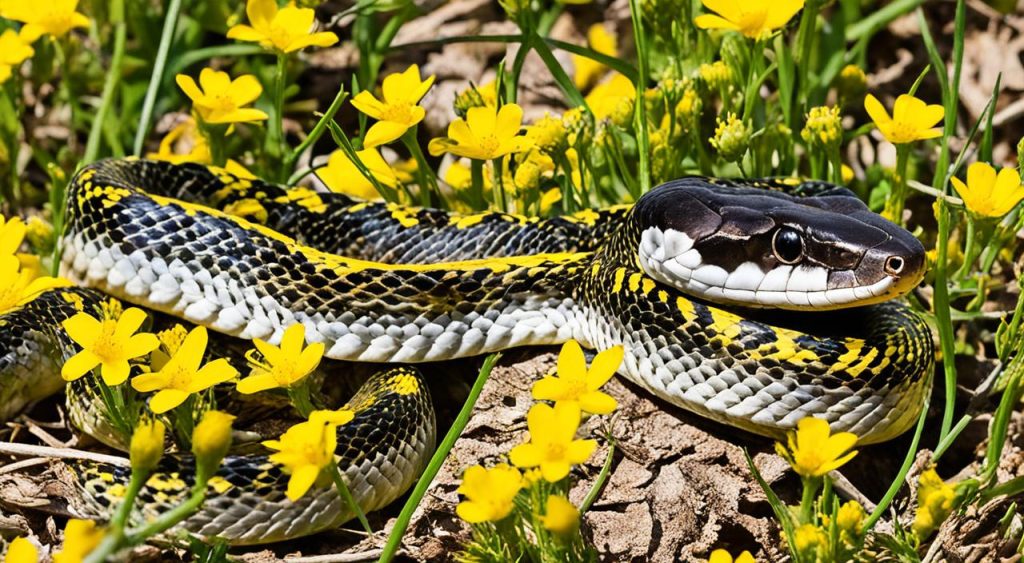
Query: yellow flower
[(484, 134), (850, 520), (489, 493), (184, 136), (342, 176), (147, 445), (716, 75), (824, 127), (80, 538), (912, 119), (755, 19), (20, 285), (988, 194), (808, 539), (398, 111), (21, 550), (182, 375), (12, 233), (13, 51), (211, 439), (484, 95), (560, 516), (612, 96), (286, 29), (221, 99), (109, 343), (285, 365), (587, 69), (723, 556), (307, 448), (576, 384), (731, 137), (52, 17), (459, 176), (552, 445), (934, 503), (812, 451), (548, 134), (549, 199)]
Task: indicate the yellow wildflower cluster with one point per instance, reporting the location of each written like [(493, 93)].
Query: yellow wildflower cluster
[(19, 275), (306, 449), (813, 451), (491, 494), (988, 194), (756, 19), (284, 30), (934, 504), (824, 128)]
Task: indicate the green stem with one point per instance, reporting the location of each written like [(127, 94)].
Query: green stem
[(969, 252), (402, 523), (114, 539), (92, 146), (156, 79), (476, 174), (808, 32), (427, 178), (275, 146), (170, 518), (810, 485), (894, 205), (498, 185), (346, 495), (317, 132), (943, 318), (640, 108), (602, 477), (301, 399), (897, 483)]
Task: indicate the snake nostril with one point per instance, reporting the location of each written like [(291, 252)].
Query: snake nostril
[(894, 265)]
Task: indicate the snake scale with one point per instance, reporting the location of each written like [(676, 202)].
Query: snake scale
[(717, 289)]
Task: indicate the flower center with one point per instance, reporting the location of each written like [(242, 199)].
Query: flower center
[(180, 378), (577, 386), (556, 451), (902, 132), (751, 23), (398, 112), (489, 145), (107, 348)]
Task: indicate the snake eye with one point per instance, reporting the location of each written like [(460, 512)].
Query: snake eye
[(787, 245)]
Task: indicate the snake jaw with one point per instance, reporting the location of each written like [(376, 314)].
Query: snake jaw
[(756, 248)]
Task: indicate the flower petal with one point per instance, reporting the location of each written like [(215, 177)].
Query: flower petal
[(368, 104), (256, 383), (78, 365), (554, 471), (596, 402), (526, 455), (115, 373), (384, 132), (876, 111), (572, 364), (301, 480), (604, 367), (166, 399), (550, 389)]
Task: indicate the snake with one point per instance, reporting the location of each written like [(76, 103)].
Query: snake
[(752, 303)]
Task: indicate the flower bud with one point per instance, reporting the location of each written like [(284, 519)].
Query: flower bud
[(211, 440), (731, 138), (824, 129), (560, 517), (147, 445)]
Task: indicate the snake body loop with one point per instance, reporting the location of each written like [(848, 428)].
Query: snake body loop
[(683, 280)]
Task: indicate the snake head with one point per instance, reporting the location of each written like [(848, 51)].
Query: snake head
[(756, 247)]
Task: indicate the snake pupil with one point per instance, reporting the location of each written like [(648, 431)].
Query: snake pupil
[(787, 245)]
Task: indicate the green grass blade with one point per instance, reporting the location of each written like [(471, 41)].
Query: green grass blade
[(157, 78), (395, 539)]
